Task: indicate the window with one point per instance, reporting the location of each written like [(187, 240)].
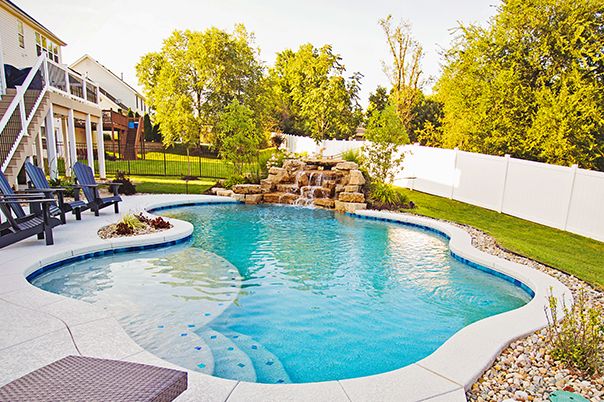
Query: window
[(20, 34), (44, 44)]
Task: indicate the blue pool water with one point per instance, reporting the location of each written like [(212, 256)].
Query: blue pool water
[(277, 294)]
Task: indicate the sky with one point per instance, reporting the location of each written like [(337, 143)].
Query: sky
[(118, 32)]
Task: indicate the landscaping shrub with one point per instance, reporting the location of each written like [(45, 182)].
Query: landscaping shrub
[(132, 221), (277, 140), (578, 339), (155, 223), (354, 155), (64, 182), (127, 187), (239, 179), (386, 196)]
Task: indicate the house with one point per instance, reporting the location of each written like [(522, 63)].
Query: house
[(116, 92), (116, 98), (44, 105)]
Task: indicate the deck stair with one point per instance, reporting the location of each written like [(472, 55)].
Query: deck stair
[(22, 112), (27, 144)]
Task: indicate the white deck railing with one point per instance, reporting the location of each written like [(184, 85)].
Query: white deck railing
[(45, 75)]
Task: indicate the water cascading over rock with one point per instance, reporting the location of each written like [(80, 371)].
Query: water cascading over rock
[(326, 183)]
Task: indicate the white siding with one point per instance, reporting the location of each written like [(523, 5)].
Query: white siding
[(110, 83), (12, 52)]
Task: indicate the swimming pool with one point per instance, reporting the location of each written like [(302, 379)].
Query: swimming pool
[(280, 294)]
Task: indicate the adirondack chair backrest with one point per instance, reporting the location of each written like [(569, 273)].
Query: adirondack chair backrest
[(6, 189), (84, 175), (37, 178)]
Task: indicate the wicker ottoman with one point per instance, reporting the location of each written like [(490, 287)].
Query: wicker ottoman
[(78, 378)]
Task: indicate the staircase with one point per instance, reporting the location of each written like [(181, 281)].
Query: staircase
[(22, 111), (27, 145)]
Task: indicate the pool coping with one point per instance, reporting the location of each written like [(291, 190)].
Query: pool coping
[(81, 327)]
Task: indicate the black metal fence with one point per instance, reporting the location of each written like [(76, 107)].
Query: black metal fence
[(154, 159)]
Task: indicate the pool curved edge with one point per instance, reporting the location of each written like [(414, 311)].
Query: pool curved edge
[(443, 375)]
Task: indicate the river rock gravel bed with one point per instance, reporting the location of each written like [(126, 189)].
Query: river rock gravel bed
[(525, 371)]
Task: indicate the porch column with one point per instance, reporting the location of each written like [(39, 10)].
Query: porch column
[(51, 144), (71, 141), (89, 149), (100, 146), (40, 149), (66, 150)]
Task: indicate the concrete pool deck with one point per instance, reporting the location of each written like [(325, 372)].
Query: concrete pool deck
[(39, 327)]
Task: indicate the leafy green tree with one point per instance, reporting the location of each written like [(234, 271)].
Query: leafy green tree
[(386, 134), (378, 101), (426, 124), (531, 84), (152, 131), (312, 95), (239, 135), (198, 74), (404, 71)]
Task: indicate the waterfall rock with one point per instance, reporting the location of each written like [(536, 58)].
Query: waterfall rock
[(223, 192), (324, 202), (267, 185), (351, 197), (349, 206), (356, 178), (247, 189), (253, 198), (346, 166), (352, 188), (238, 197)]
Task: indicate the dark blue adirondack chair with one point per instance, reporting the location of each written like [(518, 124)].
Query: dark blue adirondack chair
[(37, 179), (19, 225), (90, 188)]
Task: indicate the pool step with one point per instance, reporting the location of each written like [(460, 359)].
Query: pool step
[(229, 361), (185, 347), (268, 367)]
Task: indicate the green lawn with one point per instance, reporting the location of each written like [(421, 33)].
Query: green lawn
[(571, 253), (170, 185)]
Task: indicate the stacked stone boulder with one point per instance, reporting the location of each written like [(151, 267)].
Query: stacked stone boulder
[(248, 193), (326, 183)]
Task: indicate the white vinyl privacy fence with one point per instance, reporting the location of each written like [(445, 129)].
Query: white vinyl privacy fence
[(567, 198)]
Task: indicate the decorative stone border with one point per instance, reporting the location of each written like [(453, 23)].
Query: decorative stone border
[(67, 324)]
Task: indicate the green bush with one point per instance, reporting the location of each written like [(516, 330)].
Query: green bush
[(577, 339), (236, 179), (386, 196), (127, 187), (66, 183), (354, 155)]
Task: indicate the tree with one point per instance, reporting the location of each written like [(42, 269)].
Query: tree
[(404, 71), (378, 101), (530, 84), (426, 125), (239, 135), (198, 74), (312, 95), (386, 133), (152, 131)]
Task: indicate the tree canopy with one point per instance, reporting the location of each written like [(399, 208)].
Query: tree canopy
[(530, 84), (198, 74), (312, 95)]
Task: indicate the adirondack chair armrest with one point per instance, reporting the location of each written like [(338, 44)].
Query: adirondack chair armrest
[(13, 197), (44, 201), (92, 185)]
